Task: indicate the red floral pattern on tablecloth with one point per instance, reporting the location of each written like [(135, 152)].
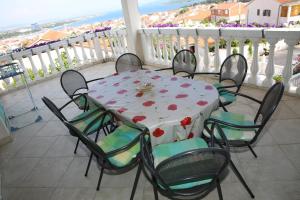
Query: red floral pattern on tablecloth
[(175, 108)]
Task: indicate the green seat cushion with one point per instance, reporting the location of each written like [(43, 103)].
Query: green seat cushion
[(164, 151), (88, 117), (233, 133), (225, 97), (121, 137), (81, 103)]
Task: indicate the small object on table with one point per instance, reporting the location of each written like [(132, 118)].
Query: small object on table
[(11, 70), (145, 88)]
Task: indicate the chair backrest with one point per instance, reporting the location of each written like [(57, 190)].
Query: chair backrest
[(269, 103), (53, 108), (234, 68), (127, 62), (184, 61), (71, 81), (193, 166)]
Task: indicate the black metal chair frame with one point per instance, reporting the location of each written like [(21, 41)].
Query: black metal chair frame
[(197, 192), (74, 95), (58, 113), (257, 127), (131, 54), (103, 158), (224, 88), (173, 67)]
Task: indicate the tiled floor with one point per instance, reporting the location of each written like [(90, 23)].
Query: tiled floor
[(40, 165)]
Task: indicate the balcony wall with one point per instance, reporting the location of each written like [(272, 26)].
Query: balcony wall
[(160, 46)]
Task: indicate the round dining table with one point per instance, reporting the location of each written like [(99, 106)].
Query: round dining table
[(174, 109)]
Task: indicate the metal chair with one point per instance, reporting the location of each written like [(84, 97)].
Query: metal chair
[(183, 62), (239, 129), (83, 120), (233, 69), (72, 83), (187, 169), (127, 62), (116, 153)]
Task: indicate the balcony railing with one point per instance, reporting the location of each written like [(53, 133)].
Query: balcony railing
[(47, 60), (160, 46)]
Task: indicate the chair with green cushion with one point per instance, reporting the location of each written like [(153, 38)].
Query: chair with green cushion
[(116, 153), (242, 130), (233, 72), (75, 85), (82, 121), (239, 129), (187, 169)]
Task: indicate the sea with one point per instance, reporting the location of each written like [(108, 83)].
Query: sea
[(159, 6)]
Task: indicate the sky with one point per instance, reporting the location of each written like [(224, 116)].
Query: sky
[(25, 12)]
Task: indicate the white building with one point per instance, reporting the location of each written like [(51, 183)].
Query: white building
[(274, 12)]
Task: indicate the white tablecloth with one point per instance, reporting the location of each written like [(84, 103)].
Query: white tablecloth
[(175, 109)]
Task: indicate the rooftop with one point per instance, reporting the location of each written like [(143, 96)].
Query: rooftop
[(40, 164)]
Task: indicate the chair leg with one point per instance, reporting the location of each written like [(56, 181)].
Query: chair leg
[(75, 151), (219, 190), (100, 178), (252, 151), (154, 189), (136, 181), (88, 166), (237, 173)]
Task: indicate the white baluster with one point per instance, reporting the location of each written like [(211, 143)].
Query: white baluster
[(217, 55), (34, 68), (172, 50), (52, 65), (153, 48), (254, 65), (287, 71), (68, 56), (206, 56), (60, 61), (228, 46), (75, 52), (159, 53), (104, 42), (270, 69), (92, 54), (178, 42), (98, 49), (44, 67), (84, 56), (186, 39), (196, 39), (241, 46), (165, 51)]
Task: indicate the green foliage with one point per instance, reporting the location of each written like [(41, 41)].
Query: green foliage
[(222, 44), (31, 74), (235, 43), (278, 78), (41, 73), (183, 10), (211, 49), (50, 71), (14, 83), (64, 59), (234, 51), (250, 49)]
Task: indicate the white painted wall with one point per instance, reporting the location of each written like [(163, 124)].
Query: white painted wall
[(263, 5)]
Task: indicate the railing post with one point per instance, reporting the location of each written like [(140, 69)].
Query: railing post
[(254, 66), (287, 71), (270, 69)]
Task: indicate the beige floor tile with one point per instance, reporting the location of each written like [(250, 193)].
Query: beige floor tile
[(292, 152), (64, 146), (29, 193), (53, 128), (16, 169), (285, 131), (36, 147), (47, 172), (121, 193), (73, 194), (13, 147)]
